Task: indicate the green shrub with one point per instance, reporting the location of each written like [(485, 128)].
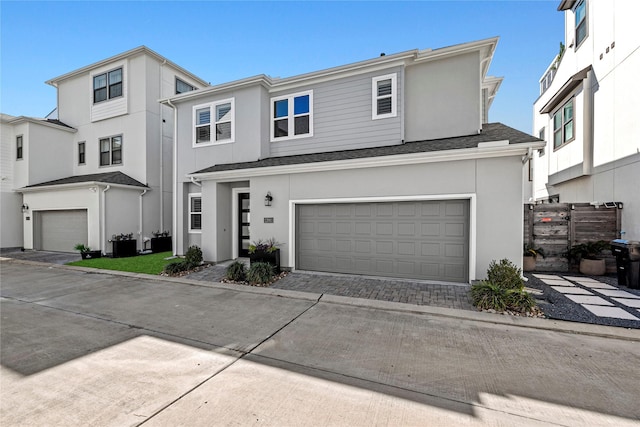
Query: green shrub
[(193, 257), (260, 273), (519, 300), (486, 295), (237, 272), (505, 275), (176, 267)]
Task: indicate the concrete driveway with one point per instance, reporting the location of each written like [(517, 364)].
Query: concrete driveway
[(87, 348)]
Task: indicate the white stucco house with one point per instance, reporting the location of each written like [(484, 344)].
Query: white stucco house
[(101, 164), (384, 167), (588, 112)]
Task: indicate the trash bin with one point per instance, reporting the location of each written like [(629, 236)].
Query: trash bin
[(627, 255)]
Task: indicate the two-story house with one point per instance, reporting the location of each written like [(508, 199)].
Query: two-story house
[(383, 167), (103, 166), (588, 111)]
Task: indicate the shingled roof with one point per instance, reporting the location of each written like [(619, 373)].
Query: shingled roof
[(490, 132), (106, 178)]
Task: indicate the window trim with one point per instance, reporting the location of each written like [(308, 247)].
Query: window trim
[(82, 155), (183, 82), (212, 123), (19, 147), (290, 116), (563, 124), (108, 85), (110, 138), (394, 96), (190, 212), (584, 20)]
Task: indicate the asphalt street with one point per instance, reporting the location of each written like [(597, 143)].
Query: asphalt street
[(80, 347)]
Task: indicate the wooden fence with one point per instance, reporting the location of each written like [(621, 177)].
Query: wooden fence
[(555, 227)]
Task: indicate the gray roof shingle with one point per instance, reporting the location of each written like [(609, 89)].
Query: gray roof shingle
[(490, 132), (107, 178)]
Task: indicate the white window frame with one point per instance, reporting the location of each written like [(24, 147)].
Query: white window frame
[(190, 86), (111, 140), (584, 20), (213, 122), (291, 117), (394, 96), (190, 212)]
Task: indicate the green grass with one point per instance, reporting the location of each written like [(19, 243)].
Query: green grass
[(149, 264)]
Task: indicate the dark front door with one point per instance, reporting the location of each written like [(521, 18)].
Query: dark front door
[(243, 225)]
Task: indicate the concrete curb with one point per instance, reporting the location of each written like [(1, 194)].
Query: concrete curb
[(475, 316)]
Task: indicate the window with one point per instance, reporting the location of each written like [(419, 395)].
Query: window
[(563, 125), (182, 87), (384, 102), (220, 115), (111, 151), (81, 153), (195, 212), (542, 135), (107, 85), (19, 147), (581, 21), (292, 116)]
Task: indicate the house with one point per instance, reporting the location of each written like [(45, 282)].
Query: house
[(587, 112), (101, 164), (384, 167)]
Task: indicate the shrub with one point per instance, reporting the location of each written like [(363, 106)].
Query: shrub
[(237, 272), (260, 273), (487, 295), (176, 267), (505, 275), (520, 301), (193, 257)]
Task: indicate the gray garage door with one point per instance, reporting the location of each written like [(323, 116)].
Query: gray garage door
[(60, 231), (424, 240)]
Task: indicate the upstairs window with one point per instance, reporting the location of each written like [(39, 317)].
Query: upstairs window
[(19, 147), (195, 212), (292, 116), (581, 21), (384, 100), (81, 153), (111, 151), (563, 125), (218, 116), (107, 86), (182, 87)]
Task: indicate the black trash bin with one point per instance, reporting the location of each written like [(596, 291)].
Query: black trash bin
[(627, 255)]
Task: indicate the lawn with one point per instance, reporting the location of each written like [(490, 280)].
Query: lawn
[(149, 264)]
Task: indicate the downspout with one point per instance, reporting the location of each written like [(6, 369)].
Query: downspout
[(161, 149), (103, 218), (587, 128), (140, 231), (174, 175)]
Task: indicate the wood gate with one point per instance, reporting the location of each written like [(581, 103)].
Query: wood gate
[(555, 227)]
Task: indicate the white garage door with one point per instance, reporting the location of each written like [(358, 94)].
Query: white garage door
[(424, 240), (60, 231)]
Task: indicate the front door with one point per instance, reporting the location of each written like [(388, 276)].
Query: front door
[(243, 224)]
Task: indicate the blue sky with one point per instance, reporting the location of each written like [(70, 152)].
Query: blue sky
[(224, 41)]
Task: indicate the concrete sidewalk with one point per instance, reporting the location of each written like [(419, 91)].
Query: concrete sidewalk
[(85, 348)]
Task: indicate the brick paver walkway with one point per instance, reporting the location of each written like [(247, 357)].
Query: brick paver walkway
[(404, 291)]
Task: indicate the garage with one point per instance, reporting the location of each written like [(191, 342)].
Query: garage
[(61, 230), (426, 240)]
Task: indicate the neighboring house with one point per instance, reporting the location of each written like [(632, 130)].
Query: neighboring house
[(103, 165), (383, 167), (588, 111)]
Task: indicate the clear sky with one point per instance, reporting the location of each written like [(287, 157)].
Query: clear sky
[(224, 41)]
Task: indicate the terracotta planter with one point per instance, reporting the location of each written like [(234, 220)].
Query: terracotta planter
[(593, 267), (528, 263)]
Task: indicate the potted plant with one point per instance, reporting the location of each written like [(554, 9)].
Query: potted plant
[(124, 245), (86, 252), (265, 251), (529, 257), (161, 242), (588, 256)]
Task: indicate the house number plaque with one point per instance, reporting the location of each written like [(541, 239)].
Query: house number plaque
[(268, 220)]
